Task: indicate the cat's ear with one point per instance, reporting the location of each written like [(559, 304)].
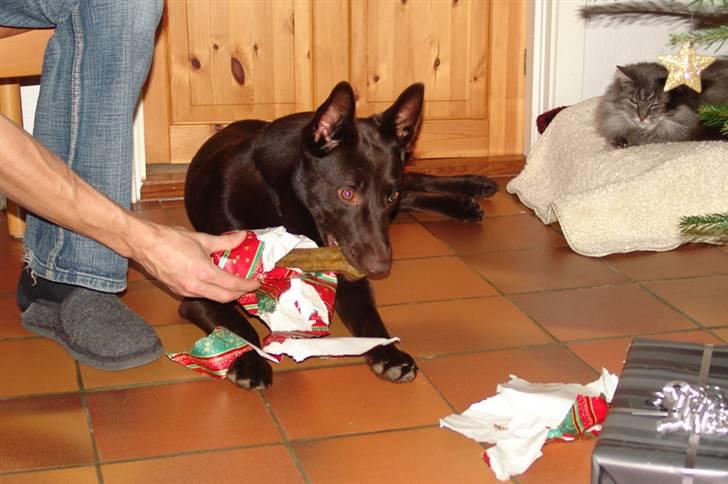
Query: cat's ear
[(624, 73), (333, 120)]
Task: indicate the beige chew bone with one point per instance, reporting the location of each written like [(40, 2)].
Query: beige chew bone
[(322, 259)]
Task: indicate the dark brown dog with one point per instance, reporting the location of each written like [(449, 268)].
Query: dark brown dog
[(334, 178)]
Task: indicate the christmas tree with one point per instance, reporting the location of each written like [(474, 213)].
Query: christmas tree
[(709, 23)]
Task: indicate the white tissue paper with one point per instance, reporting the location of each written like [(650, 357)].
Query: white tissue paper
[(518, 418)]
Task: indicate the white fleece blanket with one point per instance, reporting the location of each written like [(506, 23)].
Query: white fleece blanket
[(610, 200)]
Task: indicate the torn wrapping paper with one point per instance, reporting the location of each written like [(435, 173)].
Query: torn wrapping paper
[(296, 306), (300, 349), (522, 416), (213, 354)]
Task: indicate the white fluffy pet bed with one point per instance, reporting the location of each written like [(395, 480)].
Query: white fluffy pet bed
[(611, 200)]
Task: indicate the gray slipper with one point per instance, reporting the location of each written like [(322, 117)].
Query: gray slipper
[(97, 329)]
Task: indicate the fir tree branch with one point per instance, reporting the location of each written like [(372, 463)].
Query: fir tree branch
[(715, 115), (706, 37), (697, 4), (715, 224), (700, 17)]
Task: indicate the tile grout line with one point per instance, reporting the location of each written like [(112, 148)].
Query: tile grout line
[(558, 341), (36, 470), (422, 357), (148, 458), (89, 423), (659, 298), (225, 449), (448, 403), (286, 441), (513, 480)]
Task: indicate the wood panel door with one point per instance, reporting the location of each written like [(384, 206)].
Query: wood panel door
[(218, 61)]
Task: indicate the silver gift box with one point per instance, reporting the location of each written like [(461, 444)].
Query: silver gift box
[(630, 449)]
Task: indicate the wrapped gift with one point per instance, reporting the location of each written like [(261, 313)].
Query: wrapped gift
[(668, 422)]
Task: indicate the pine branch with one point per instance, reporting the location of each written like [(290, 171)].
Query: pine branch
[(715, 115), (701, 225), (706, 37), (660, 11), (697, 4)]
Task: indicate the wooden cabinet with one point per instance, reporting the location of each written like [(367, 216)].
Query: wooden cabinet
[(217, 61)]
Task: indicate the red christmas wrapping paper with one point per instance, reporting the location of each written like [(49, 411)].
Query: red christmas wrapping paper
[(295, 305)]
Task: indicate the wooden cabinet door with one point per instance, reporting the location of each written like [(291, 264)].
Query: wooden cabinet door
[(218, 61), (460, 49), (229, 60)]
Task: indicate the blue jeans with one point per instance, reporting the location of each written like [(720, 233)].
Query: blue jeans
[(94, 68)]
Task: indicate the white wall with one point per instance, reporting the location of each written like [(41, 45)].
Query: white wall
[(606, 46), (29, 98)]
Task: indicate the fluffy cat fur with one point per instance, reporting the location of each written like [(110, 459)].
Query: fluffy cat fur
[(635, 109)]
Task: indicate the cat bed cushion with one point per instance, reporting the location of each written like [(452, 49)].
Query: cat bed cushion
[(611, 200)]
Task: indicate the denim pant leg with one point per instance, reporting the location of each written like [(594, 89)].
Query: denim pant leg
[(94, 68)]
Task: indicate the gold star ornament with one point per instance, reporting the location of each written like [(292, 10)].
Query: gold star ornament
[(685, 68)]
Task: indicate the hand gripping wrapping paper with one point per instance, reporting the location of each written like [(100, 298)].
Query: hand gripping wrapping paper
[(296, 306)]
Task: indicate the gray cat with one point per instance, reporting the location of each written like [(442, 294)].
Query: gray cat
[(635, 109)]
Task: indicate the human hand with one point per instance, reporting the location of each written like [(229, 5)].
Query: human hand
[(181, 260)]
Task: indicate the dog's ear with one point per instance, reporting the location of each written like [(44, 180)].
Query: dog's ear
[(333, 120), (402, 119)]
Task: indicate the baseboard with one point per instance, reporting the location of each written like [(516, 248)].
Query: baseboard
[(166, 181)]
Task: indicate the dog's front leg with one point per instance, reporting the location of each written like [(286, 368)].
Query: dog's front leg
[(458, 207), (355, 305), (249, 370), (474, 186)]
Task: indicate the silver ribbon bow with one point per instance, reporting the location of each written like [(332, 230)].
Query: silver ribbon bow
[(698, 409)]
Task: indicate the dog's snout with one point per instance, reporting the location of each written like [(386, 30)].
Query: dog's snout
[(375, 266)]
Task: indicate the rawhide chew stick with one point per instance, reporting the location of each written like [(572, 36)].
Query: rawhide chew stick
[(322, 259)]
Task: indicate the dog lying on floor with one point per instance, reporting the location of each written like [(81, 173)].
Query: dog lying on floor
[(334, 178)]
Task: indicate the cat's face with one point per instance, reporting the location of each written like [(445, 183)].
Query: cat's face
[(643, 98)]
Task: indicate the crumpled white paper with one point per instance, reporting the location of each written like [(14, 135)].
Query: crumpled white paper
[(518, 418), (297, 304), (301, 348), (279, 242)]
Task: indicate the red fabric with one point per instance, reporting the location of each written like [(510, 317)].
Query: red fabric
[(544, 119)]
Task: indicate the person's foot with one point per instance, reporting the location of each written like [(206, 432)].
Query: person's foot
[(31, 289), (95, 328)]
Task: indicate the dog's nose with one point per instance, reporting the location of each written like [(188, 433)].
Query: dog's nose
[(377, 266)]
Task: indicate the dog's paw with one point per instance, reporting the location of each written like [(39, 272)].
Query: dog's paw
[(392, 364), (250, 371), (479, 187), (468, 210)]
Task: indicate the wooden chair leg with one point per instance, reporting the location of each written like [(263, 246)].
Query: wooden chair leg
[(16, 219), (12, 108)]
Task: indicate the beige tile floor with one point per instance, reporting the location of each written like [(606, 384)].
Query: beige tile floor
[(473, 303)]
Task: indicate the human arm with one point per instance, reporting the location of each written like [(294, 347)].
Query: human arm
[(36, 179)]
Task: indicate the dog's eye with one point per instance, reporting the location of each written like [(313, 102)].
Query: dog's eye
[(347, 194), (393, 196)]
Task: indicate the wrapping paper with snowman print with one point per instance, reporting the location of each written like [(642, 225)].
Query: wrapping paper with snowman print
[(296, 306)]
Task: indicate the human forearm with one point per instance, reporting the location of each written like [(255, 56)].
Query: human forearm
[(35, 178), (38, 180)]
